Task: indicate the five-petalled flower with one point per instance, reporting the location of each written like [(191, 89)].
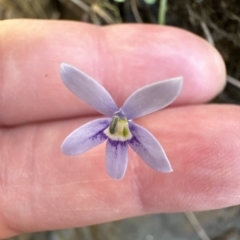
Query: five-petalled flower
[(118, 129)]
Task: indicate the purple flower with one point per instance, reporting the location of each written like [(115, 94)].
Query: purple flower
[(118, 129)]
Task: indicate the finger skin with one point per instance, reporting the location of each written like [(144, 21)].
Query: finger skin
[(38, 181), (32, 51)]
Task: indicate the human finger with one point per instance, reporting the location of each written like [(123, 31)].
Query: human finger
[(31, 52), (38, 181)]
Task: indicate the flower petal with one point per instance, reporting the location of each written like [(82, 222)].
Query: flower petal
[(86, 137), (116, 158), (88, 90), (152, 98), (148, 148)]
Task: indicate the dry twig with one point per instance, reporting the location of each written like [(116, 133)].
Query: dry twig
[(135, 11), (102, 13), (81, 4), (197, 226)]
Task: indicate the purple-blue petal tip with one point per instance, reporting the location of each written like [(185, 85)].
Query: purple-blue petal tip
[(88, 90)]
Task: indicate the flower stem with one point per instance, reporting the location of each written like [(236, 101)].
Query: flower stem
[(162, 12)]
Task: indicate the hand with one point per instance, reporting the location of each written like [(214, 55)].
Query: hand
[(42, 189)]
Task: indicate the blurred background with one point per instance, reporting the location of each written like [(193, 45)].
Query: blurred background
[(218, 21)]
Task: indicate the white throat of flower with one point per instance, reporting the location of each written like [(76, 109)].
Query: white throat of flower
[(118, 129)]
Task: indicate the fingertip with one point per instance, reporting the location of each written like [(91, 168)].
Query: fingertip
[(214, 71), (168, 52)]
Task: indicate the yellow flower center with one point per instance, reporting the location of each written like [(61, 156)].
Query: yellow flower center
[(118, 129)]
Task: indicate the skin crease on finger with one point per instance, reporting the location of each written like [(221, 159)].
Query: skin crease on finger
[(32, 50), (43, 189)]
